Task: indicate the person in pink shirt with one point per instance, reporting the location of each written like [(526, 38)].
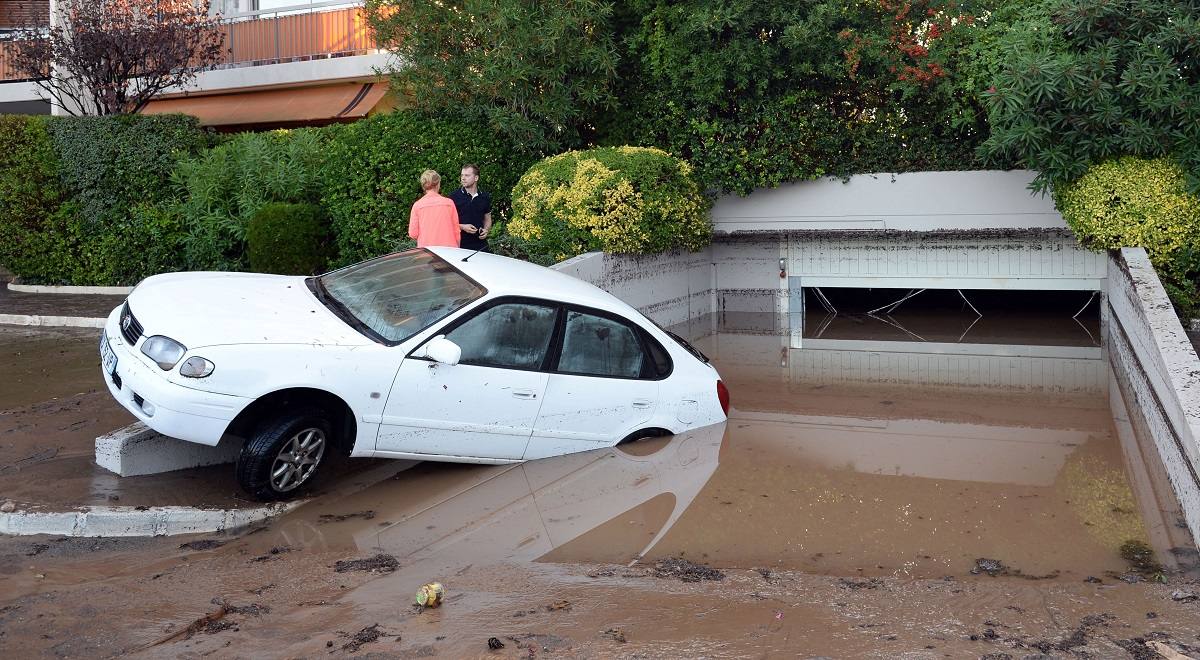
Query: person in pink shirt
[(433, 220)]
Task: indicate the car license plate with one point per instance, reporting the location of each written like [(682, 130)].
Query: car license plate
[(108, 359)]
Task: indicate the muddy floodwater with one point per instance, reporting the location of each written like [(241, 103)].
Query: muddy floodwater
[(895, 461), (920, 485)]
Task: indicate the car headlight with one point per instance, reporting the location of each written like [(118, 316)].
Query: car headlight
[(196, 367), (163, 350)]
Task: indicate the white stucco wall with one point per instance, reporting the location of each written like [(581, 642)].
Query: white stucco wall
[(913, 201), (1158, 372)]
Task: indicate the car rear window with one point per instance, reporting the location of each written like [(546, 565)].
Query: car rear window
[(398, 295), (679, 340)]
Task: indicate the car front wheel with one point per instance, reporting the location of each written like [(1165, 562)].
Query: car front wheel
[(282, 457)]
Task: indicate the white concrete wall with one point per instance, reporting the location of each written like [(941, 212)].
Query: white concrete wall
[(14, 92), (1158, 372), (914, 201), (936, 230), (327, 70), (669, 288), (1044, 260)]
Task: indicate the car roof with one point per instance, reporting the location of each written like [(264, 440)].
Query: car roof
[(506, 276)]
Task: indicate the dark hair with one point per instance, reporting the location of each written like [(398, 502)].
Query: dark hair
[(472, 166)]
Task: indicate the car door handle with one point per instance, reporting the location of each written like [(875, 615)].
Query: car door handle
[(525, 394), (642, 403)]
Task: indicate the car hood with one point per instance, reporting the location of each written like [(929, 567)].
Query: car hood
[(208, 309)]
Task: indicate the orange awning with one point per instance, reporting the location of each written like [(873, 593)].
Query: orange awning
[(296, 106)]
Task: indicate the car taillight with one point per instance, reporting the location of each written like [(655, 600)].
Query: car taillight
[(723, 396)]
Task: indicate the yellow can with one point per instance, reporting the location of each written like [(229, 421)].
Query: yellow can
[(430, 595)]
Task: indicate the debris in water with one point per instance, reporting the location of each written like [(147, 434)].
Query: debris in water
[(995, 567), (1080, 636), (365, 636), (1140, 557), (615, 634), (602, 572), (202, 544), (559, 605), (1166, 651), (686, 571), (1181, 596), (331, 517), (495, 644), (8, 507), (254, 609), (380, 563), (1091, 579), (273, 553), (873, 583), (205, 623), (992, 567)]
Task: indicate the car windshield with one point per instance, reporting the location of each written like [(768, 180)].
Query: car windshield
[(398, 295)]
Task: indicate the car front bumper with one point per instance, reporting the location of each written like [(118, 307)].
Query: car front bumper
[(172, 410)]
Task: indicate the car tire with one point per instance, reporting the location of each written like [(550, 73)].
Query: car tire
[(282, 457)]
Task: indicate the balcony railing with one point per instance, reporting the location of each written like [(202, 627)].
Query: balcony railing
[(7, 72), (298, 36), (270, 39)]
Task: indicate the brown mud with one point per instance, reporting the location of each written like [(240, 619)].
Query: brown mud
[(844, 517)]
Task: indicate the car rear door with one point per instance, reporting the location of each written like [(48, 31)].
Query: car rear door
[(603, 386), (485, 406)]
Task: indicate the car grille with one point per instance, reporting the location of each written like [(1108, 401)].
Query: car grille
[(131, 330)]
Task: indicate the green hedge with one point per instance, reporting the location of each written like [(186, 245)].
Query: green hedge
[(81, 196), (109, 164), (616, 199), (1138, 202), (221, 189), (372, 167), (288, 239), (33, 239)]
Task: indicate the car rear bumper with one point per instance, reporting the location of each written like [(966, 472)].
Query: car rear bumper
[(172, 410)]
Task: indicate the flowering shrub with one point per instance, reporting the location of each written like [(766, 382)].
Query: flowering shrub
[(615, 199), (1138, 202)]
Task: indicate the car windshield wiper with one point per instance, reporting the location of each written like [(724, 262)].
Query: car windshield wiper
[(334, 305)]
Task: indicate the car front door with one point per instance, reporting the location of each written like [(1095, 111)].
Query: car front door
[(603, 386), (485, 406)]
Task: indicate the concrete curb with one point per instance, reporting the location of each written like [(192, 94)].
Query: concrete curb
[(138, 449), (135, 521), (74, 290), (52, 321)]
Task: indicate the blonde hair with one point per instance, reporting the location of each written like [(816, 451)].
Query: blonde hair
[(430, 180)]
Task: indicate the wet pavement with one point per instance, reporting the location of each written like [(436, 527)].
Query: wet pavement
[(56, 304), (846, 505), (53, 405)]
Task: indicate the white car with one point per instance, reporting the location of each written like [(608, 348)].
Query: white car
[(432, 354)]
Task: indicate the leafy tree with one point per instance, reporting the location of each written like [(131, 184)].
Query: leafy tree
[(533, 71), (1089, 80), (755, 94), (106, 57)]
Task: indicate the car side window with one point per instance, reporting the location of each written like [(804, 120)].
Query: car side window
[(511, 335), (596, 346)]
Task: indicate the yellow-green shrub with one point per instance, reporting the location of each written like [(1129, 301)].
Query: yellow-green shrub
[(615, 199), (1139, 202)]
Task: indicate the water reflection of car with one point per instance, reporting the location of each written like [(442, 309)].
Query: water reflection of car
[(433, 354), (604, 506)]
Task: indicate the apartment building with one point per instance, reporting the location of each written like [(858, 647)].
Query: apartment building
[(287, 63)]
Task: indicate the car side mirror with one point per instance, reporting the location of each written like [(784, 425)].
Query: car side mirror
[(442, 350)]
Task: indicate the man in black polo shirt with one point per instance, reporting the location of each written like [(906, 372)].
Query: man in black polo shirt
[(474, 210)]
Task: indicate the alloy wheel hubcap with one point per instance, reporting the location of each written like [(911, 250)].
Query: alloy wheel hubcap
[(298, 460)]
